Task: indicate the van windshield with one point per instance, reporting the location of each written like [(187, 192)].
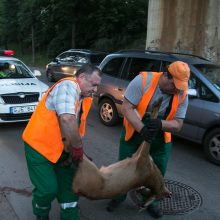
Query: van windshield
[(12, 69), (212, 73)]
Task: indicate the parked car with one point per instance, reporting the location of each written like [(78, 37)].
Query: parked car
[(67, 63), (202, 122), (20, 90)]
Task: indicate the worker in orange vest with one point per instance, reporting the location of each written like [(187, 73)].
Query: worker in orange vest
[(53, 141), (139, 97)]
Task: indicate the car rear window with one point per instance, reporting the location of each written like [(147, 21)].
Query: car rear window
[(212, 73), (137, 65)]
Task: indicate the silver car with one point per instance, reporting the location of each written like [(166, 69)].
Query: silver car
[(202, 122)]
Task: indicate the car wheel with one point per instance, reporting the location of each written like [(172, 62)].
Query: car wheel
[(108, 113), (50, 76), (212, 146)]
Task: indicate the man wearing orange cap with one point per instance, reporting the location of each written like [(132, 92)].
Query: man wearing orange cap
[(139, 97)]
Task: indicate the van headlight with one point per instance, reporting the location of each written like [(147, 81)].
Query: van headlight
[(43, 93)]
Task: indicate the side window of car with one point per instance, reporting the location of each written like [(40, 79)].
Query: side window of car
[(164, 66), (207, 94), (113, 67), (204, 92), (138, 65)]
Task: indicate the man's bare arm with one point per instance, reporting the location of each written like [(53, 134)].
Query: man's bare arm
[(174, 125), (69, 131)]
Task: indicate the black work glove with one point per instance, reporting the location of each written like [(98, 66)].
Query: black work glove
[(149, 131)]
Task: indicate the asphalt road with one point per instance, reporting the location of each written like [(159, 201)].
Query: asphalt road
[(187, 165)]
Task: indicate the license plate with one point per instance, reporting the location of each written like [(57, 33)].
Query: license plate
[(22, 109)]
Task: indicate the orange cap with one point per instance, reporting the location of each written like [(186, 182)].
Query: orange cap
[(181, 73)]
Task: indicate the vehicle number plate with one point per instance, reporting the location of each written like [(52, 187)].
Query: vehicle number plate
[(22, 109)]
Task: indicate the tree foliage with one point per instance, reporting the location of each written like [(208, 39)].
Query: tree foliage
[(56, 25)]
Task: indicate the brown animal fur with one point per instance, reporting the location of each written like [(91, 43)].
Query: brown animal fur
[(120, 177)]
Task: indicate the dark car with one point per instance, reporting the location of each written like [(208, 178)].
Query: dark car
[(67, 63), (202, 122)]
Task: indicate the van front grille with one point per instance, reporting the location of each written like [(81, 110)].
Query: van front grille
[(18, 98)]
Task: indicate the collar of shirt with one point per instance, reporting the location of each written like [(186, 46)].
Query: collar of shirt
[(78, 88)]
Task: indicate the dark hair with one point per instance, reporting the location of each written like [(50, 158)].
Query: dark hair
[(88, 69)]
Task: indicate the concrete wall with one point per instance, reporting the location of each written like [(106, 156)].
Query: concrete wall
[(186, 26)]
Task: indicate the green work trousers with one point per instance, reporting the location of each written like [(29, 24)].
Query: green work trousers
[(159, 150), (51, 181)]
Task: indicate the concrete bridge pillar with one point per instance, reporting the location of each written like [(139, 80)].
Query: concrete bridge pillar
[(189, 26)]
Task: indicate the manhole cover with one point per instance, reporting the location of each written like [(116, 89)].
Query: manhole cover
[(184, 199)]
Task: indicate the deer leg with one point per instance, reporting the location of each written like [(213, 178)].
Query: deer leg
[(147, 203)]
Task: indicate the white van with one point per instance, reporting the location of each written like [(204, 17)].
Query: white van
[(20, 90)]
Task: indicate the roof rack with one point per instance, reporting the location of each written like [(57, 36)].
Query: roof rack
[(146, 51), (190, 55), (161, 52), (131, 50), (84, 50), (88, 51)]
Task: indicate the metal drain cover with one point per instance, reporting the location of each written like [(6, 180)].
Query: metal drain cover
[(184, 199)]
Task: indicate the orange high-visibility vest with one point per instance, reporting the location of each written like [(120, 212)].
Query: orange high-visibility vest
[(43, 132), (143, 104)]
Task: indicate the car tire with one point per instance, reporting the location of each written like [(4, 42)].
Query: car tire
[(108, 113), (212, 146), (50, 76)]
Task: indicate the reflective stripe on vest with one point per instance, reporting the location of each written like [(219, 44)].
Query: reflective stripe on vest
[(148, 89), (42, 132)]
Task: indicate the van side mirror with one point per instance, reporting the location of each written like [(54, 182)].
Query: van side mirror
[(37, 73), (192, 93)]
